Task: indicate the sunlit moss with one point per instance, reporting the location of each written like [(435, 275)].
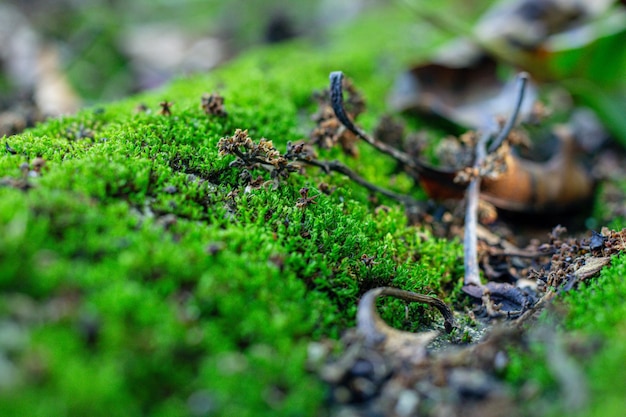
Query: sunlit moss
[(146, 286)]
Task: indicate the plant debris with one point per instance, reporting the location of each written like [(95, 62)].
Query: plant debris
[(213, 104), (166, 108), (9, 149), (465, 96), (391, 372), (251, 155)]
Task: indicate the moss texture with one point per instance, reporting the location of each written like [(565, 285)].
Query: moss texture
[(138, 277)]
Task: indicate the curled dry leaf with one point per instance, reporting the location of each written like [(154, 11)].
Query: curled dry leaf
[(519, 186), (575, 42), (557, 185)]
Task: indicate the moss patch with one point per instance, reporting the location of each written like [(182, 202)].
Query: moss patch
[(141, 278)]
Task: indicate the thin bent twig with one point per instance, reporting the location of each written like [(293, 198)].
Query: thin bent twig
[(343, 169), (336, 101), (376, 331), (522, 81), (470, 238)]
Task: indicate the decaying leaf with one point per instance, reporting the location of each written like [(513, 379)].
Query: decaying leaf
[(557, 185), (511, 182), (469, 96), (574, 42)]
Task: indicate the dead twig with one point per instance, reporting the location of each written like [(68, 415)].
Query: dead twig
[(9, 149), (376, 331), (336, 101), (337, 166), (522, 81), (470, 238)]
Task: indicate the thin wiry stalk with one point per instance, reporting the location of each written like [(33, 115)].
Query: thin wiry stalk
[(522, 80), (336, 101), (472, 273), (342, 169)]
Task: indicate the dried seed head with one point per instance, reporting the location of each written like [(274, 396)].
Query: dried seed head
[(213, 104), (304, 199), (166, 108)]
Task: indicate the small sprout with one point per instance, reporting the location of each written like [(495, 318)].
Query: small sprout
[(166, 108), (213, 104)]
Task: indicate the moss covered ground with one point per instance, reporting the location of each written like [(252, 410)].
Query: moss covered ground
[(139, 277)]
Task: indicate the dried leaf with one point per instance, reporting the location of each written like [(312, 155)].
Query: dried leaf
[(557, 185), (469, 96)]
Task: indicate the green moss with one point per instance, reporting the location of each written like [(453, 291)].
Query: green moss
[(599, 309), (149, 282), (594, 316), (146, 288)]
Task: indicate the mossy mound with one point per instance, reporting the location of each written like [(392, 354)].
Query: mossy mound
[(138, 276)]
